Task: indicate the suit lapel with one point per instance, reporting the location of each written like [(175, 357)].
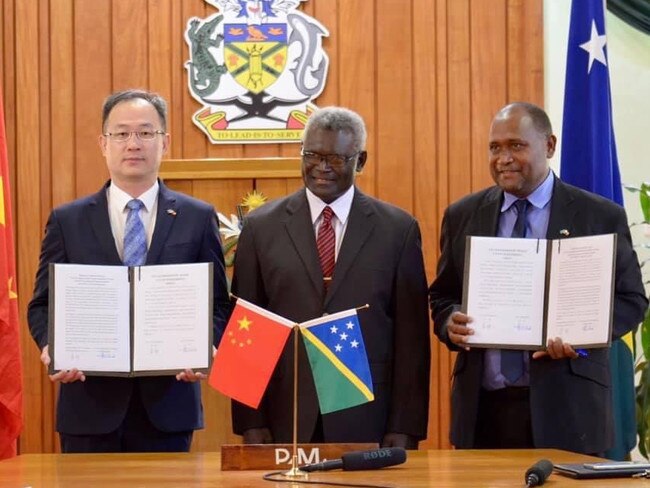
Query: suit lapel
[(301, 232), (97, 214), (166, 215), (563, 212), (357, 232), (486, 220)]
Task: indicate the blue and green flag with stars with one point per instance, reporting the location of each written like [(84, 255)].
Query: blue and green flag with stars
[(338, 361)]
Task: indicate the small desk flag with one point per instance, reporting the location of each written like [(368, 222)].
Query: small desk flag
[(251, 346), (338, 361)]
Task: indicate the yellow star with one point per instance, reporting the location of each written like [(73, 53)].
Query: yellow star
[(244, 323), (12, 293)]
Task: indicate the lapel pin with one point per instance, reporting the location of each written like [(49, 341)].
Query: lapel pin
[(565, 232), (171, 211)]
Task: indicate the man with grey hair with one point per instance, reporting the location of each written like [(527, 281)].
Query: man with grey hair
[(375, 257)]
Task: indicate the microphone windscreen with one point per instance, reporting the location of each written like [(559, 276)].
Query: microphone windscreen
[(375, 459), (542, 469)]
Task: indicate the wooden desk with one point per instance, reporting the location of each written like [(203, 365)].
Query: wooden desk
[(440, 469)]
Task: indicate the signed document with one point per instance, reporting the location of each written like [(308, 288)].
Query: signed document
[(519, 292), (138, 321)]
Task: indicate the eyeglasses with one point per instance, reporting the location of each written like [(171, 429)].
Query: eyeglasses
[(332, 160), (143, 135)]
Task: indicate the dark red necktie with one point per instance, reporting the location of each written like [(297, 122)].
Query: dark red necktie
[(325, 242)]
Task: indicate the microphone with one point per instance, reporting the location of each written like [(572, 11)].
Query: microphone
[(358, 460), (538, 472)]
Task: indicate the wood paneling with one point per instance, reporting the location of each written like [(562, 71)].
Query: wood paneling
[(426, 75)]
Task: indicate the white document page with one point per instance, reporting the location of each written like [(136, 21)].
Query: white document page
[(91, 318), (580, 295), (505, 294), (172, 317)]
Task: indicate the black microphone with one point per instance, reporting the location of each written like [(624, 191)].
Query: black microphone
[(358, 460), (538, 472)]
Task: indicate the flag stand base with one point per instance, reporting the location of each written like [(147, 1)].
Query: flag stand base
[(295, 472)]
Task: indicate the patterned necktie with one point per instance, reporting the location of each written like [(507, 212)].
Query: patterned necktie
[(325, 242), (512, 362), (135, 239)]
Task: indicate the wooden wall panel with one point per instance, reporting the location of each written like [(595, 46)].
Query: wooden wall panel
[(93, 65), (159, 59), (425, 166), (488, 80), (194, 141), (394, 44), (357, 80), (426, 75), (525, 71), (27, 158), (459, 97), (129, 42), (63, 104), (176, 39)]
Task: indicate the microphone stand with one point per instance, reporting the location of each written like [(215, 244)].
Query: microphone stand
[(294, 472)]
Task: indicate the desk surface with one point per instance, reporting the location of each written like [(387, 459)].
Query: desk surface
[(442, 469)]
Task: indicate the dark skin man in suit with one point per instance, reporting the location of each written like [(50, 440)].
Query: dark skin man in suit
[(562, 400), (379, 262)]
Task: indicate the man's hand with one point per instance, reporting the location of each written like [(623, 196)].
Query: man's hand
[(556, 349), (258, 436), (457, 329), (64, 376), (189, 376), (393, 439)]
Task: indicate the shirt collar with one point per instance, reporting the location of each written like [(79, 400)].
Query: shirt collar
[(539, 198), (341, 206), (121, 198)]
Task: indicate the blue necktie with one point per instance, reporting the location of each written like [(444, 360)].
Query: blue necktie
[(512, 362), (135, 239)]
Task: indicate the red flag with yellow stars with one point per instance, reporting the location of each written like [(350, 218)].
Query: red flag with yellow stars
[(11, 388), (251, 346)]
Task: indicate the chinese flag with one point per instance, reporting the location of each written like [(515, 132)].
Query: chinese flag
[(11, 395), (251, 346)]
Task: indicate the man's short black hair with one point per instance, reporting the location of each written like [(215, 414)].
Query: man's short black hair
[(154, 99)]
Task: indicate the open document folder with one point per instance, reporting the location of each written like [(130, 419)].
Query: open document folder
[(130, 321), (520, 292)]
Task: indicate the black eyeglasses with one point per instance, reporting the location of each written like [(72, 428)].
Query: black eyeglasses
[(332, 160), (143, 135)]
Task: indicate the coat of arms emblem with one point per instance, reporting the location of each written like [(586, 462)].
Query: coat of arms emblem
[(256, 66)]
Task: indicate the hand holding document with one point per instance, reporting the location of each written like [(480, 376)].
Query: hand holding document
[(520, 292), (121, 321)]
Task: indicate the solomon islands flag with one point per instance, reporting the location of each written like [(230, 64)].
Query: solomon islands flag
[(338, 361)]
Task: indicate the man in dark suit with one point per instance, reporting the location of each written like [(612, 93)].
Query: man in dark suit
[(557, 398), (102, 414), (378, 261)]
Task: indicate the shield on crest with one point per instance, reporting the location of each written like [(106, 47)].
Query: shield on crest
[(255, 55)]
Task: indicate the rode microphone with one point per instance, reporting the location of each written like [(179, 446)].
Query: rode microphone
[(358, 460), (538, 472)]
